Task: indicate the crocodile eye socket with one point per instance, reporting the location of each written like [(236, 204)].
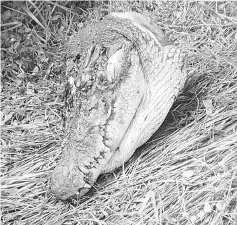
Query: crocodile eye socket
[(77, 58)]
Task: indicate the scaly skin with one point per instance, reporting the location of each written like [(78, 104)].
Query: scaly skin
[(124, 78)]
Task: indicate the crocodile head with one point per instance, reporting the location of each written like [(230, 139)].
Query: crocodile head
[(123, 80)]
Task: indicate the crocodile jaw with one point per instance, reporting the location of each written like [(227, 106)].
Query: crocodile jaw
[(95, 135)]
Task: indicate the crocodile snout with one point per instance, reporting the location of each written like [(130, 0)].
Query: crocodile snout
[(67, 182)]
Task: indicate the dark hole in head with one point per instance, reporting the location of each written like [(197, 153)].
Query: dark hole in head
[(77, 58), (103, 51)]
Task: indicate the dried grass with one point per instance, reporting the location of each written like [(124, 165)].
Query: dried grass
[(186, 174)]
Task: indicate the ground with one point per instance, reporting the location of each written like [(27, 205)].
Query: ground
[(185, 174)]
